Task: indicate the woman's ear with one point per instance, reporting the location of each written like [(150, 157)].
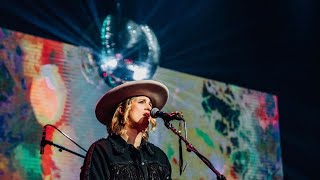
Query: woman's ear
[(121, 110)]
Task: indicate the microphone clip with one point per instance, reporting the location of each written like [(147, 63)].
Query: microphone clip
[(155, 112), (176, 116)]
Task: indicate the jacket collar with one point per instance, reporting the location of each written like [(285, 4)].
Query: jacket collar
[(119, 145)]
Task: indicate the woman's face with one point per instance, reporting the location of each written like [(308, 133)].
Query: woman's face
[(139, 114)]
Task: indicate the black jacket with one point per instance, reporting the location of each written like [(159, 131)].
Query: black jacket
[(114, 158)]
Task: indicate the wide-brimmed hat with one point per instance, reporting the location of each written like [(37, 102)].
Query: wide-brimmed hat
[(107, 105)]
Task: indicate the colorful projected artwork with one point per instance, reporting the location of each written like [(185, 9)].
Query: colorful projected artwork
[(48, 82), (236, 128)]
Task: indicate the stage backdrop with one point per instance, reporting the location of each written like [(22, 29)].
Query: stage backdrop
[(48, 82)]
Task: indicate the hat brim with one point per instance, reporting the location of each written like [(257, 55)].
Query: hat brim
[(107, 105)]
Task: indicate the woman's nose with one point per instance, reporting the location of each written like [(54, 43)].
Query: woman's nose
[(149, 107)]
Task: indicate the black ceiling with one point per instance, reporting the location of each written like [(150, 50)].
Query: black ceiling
[(267, 45)]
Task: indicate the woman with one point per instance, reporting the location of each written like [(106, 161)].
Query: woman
[(126, 152)]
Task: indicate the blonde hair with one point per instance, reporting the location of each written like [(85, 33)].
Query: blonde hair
[(120, 118)]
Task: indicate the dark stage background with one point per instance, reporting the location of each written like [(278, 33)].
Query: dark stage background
[(271, 46)]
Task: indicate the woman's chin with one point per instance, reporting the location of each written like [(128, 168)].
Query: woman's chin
[(144, 123)]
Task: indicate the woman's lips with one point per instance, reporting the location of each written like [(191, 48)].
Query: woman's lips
[(147, 114)]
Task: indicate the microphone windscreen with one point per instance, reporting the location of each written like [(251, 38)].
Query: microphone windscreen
[(153, 112)]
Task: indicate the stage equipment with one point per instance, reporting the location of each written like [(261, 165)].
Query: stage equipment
[(44, 142), (169, 117), (129, 51)]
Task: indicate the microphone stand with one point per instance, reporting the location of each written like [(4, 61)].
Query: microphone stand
[(44, 142), (61, 148), (190, 148)]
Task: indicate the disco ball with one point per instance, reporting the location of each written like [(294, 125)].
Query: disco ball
[(129, 51)]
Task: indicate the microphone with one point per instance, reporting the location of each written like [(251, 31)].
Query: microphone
[(43, 140), (155, 112)]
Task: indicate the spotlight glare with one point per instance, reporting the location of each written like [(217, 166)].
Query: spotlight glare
[(139, 73), (109, 64)]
